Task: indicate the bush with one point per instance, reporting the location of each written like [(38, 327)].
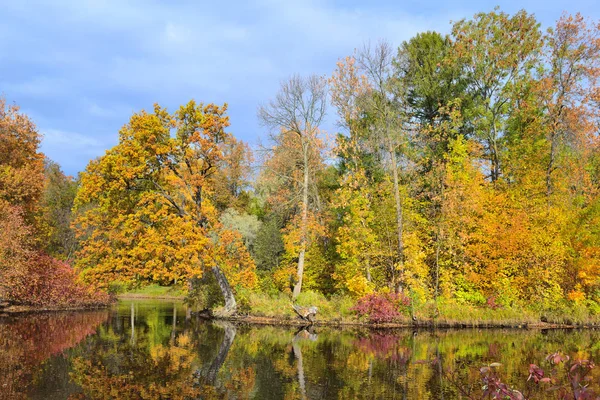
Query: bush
[(117, 287), (204, 293), (49, 282), (243, 301), (466, 293), (594, 307), (381, 307)]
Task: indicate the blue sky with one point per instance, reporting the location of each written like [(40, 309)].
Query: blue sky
[(80, 68)]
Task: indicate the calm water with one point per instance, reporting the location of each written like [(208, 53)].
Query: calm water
[(150, 350)]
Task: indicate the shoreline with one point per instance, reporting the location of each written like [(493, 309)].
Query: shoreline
[(272, 321), (285, 321), (17, 309)]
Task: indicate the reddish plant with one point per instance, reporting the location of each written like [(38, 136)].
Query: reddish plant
[(491, 303), (49, 282), (578, 380), (381, 307)]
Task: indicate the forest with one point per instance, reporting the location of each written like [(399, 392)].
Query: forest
[(462, 181)]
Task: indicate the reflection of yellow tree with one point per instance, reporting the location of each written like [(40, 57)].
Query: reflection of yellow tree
[(152, 367), (26, 342), (226, 361), (164, 373)]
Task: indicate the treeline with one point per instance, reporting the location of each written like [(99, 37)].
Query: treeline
[(466, 170)]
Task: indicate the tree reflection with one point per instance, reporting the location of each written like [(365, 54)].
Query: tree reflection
[(215, 366), (27, 341), (146, 352), (303, 334)]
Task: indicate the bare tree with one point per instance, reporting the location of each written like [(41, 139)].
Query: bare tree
[(299, 108)]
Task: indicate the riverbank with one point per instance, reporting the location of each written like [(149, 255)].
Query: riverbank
[(24, 309), (276, 310), (258, 308), (258, 320)]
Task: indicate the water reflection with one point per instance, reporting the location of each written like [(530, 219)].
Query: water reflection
[(153, 350), (28, 342)]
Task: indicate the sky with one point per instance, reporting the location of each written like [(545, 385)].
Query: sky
[(80, 68)]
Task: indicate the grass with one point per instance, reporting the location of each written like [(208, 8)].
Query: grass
[(154, 291), (337, 309), (451, 313), (334, 309)]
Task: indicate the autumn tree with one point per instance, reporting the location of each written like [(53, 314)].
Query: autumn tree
[(232, 177), (357, 243), (27, 275), (569, 90), (57, 203), (150, 213), (295, 116), (21, 186), (435, 97), (21, 164), (498, 52), (383, 108)]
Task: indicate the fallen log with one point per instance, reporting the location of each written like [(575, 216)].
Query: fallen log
[(306, 313)]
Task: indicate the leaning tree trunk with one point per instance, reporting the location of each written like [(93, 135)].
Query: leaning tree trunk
[(230, 303), (300, 271)]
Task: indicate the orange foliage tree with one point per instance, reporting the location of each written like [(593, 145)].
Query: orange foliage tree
[(146, 207)]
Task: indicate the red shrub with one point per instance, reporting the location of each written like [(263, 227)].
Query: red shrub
[(49, 282), (381, 307), (491, 303)]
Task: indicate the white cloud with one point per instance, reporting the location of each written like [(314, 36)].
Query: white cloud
[(64, 139), (73, 150), (37, 86)]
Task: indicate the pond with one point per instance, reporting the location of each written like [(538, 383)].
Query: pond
[(150, 350)]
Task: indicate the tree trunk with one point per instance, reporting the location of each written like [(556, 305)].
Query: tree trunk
[(398, 201), (230, 303), (438, 244), (438, 236), (550, 167), (300, 271), (495, 157)]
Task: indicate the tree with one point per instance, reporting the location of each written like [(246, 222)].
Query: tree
[(246, 224), (150, 211), (295, 115), (498, 52), (233, 174), (268, 246), (569, 89), (387, 125), (21, 164), (21, 186), (435, 95), (57, 203)]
